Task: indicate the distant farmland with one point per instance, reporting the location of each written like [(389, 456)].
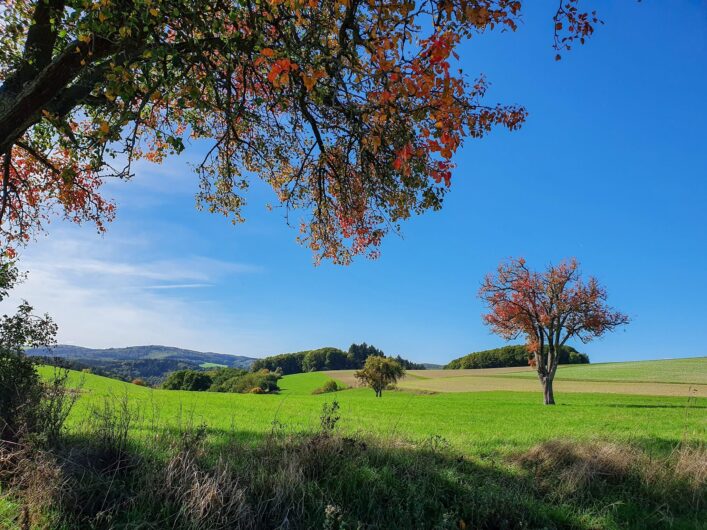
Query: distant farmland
[(675, 377)]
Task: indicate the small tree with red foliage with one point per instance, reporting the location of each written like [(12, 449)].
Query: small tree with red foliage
[(548, 308)]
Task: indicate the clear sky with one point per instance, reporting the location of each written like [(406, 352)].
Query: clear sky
[(610, 167)]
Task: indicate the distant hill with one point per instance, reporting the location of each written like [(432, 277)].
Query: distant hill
[(150, 363), (135, 353)]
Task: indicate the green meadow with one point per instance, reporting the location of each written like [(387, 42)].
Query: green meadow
[(137, 457), (692, 371), (475, 423)]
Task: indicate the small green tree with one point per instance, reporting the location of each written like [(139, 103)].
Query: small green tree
[(379, 372)]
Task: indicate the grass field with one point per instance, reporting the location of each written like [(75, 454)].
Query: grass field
[(474, 422), (411, 459)]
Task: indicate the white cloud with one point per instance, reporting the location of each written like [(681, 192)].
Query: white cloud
[(102, 295)]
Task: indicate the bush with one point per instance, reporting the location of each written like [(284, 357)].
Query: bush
[(192, 380), (329, 386), (263, 379), (509, 356), (20, 395)]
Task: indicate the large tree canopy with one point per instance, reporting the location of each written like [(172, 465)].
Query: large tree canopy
[(350, 109)]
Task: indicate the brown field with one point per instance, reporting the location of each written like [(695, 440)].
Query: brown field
[(490, 379)]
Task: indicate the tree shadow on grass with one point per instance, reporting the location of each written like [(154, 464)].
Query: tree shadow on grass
[(661, 406)]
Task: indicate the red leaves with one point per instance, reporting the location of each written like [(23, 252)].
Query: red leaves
[(280, 72), (547, 307), (351, 111), (39, 184)]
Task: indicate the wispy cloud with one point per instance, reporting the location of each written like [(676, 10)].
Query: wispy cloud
[(179, 286), (101, 294)]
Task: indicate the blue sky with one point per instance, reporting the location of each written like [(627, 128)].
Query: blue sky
[(610, 167)]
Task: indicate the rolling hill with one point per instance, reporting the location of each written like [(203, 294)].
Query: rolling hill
[(134, 353), (150, 363)]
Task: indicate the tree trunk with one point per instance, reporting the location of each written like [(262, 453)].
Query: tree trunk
[(547, 391)]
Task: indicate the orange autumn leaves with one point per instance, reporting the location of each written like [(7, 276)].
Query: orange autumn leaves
[(351, 110), (280, 70)]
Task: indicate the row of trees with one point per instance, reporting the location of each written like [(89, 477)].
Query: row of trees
[(507, 356), (327, 359)]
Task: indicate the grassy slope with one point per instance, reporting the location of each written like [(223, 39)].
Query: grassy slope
[(665, 371), (476, 423)]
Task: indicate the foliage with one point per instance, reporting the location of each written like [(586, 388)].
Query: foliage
[(223, 380), (351, 111), (380, 372), (358, 353), (326, 359), (21, 392), (329, 386), (548, 308), (409, 365), (329, 417), (191, 380), (264, 380), (513, 356), (221, 376), (287, 363)]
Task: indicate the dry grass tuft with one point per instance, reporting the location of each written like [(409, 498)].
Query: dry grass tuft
[(568, 467), (205, 499), (35, 477)]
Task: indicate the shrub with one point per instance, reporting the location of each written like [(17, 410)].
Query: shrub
[(192, 380), (21, 391), (329, 386), (221, 377), (263, 379)]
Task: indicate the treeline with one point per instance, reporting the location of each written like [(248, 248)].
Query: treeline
[(232, 380), (327, 359), (511, 356)]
